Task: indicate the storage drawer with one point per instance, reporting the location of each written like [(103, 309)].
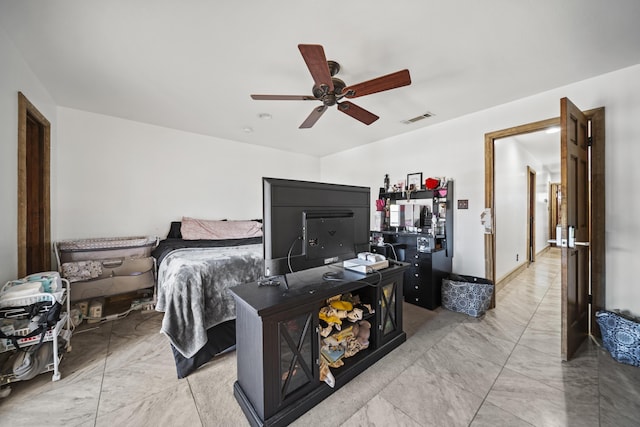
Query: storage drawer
[(413, 286), (118, 276), (414, 296)]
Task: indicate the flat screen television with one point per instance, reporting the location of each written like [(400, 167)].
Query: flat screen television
[(310, 224)]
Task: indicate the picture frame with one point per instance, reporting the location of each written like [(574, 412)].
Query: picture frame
[(414, 181)]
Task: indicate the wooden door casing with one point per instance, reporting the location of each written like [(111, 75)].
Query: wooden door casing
[(597, 194)]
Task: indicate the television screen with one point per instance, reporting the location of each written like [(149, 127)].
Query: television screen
[(309, 224)]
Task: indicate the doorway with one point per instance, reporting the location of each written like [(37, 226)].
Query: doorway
[(597, 208), (531, 214), (525, 164), (34, 208), (554, 209)]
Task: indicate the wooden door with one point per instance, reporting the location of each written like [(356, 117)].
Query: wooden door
[(575, 227), (38, 256), (531, 215), (34, 207)]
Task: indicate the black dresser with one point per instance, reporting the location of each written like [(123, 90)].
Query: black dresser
[(423, 278)]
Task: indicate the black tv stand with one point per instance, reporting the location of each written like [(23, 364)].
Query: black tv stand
[(278, 339)]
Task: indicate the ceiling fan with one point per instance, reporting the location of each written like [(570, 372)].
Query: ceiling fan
[(331, 90)]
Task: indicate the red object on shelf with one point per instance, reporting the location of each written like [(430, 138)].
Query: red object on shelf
[(431, 183)]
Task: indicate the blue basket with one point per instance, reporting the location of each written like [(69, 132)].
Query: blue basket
[(620, 337), (467, 294)]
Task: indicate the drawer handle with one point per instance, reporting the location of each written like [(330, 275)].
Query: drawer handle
[(416, 274), (417, 287)]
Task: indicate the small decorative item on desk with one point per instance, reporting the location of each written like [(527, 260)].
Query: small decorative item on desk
[(386, 182), (414, 181), (379, 216), (436, 183), (431, 183)]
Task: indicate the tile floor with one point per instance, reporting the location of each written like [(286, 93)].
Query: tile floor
[(501, 370)]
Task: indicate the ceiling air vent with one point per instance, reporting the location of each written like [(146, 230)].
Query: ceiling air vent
[(417, 118)]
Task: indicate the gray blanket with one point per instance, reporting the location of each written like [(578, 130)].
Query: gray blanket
[(192, 290)]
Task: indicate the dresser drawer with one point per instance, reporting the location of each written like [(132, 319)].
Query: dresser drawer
[(416, 297)]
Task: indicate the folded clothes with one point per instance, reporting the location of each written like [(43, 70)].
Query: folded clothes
[(21, 290), (50, 280)]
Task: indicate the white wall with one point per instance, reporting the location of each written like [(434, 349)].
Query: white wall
[(511, 162), (122, 178), (456, 149), (114, 177), (510, 206), (16, 77)]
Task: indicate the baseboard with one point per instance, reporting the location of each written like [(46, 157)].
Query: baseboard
[(509, 276)]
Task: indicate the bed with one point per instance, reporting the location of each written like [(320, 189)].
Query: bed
[(195, 272)]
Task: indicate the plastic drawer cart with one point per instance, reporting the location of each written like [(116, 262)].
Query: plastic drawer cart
[(36, 328)]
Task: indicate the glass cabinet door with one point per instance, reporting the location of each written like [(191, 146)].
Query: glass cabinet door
[(296, 354), (389, 309)]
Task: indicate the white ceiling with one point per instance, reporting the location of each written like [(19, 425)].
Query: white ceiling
[(191, 65)]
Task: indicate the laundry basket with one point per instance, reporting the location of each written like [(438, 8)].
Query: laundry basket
[(467, 294), (620, 336)]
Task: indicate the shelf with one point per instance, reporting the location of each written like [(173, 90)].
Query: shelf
[(17, 316), (415, 195), (7, 345), (52, 336)]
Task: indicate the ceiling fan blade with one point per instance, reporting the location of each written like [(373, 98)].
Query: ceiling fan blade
[(390, 81), (284, 97), (313, 55), (313, 117), (357, 113)]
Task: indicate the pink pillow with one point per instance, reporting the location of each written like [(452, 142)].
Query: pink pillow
[(202, 229)]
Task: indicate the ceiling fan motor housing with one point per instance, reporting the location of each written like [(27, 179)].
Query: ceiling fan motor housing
[(329, 98)]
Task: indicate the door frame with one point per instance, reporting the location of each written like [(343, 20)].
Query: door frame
[(598, 261), (25, 107)]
